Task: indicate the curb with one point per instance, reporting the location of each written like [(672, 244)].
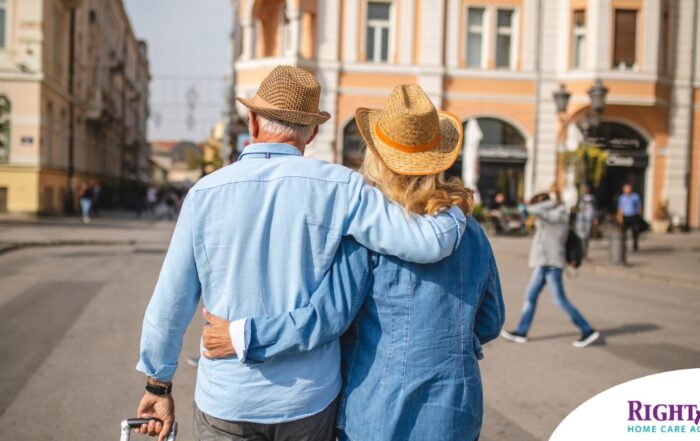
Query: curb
[(14, 246)]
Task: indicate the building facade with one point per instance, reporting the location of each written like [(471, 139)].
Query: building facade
[(76, 79), (497, 63)]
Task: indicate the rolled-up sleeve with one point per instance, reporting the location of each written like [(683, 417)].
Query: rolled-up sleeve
[(173, 303)]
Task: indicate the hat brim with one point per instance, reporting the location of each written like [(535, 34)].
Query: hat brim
[(430, 162), (290, 116)]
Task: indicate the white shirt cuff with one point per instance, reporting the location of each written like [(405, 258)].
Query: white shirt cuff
[(237, 330)]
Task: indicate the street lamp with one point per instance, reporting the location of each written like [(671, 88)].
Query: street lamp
[(561, 100), (597, 94)]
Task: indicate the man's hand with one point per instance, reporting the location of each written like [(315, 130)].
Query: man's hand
[(216, 337), (155, 406)]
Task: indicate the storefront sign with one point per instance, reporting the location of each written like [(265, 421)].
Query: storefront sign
[(629, 159), (502, 153)]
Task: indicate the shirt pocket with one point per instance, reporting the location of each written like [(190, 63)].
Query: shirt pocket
[(323, 243)]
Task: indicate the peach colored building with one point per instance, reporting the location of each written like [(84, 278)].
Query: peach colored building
[(497, 62), (102, 88)]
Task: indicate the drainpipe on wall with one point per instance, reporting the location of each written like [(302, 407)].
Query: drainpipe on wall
[(69, 205), (691, 105), (538, 90)]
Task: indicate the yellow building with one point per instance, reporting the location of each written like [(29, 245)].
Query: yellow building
[(77, 81), (497, 63)]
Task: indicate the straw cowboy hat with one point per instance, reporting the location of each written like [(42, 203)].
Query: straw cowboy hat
[(409, 135), (288, 94)]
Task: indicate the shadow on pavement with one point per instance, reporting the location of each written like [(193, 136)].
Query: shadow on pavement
[(630, 328), (660, 357)]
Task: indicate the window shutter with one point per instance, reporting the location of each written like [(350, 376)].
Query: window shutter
[(625, 37)]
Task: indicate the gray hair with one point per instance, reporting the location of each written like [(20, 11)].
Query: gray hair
[(297, 132)]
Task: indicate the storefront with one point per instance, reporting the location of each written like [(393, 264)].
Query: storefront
[(627, 162), (501, 159)]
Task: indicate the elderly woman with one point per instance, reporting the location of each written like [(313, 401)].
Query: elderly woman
[(410, 356)]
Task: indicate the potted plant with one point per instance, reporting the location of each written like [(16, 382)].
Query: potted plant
[(662, 220)]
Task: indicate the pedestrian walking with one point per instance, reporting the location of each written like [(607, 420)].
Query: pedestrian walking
[(629, 214), (96, 199), (425, 315), (250, 236), (151, 199), (548, 261), (85, 195), (586, 217)]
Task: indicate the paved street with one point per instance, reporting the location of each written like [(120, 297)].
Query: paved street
[(70, 318)]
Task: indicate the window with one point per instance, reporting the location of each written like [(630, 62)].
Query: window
[(48, 137), (578, 39), (475, 37), (504, 38), (3, 15), (287, 46), (353, 146), (5, 111), (378, 25), (625, 45)]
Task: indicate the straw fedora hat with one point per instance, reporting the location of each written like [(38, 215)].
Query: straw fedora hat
[(288, 94), (409, 135)]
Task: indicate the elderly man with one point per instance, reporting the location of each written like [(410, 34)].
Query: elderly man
[(248, 236)]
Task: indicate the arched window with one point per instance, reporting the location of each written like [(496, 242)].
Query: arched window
[(501, 158), (353, 146), (626, 163)]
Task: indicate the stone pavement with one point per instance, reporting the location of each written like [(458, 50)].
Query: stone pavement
[(70, 319)]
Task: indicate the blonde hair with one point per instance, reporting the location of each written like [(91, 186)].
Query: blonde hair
[(427, 194)]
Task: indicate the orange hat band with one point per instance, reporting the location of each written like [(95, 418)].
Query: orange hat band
[(404, 147)]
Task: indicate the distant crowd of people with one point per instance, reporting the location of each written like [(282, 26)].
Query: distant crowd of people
[(158, 202), (585, 217)]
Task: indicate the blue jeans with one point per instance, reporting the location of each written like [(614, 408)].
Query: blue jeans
[(85, 205), (551, 275)]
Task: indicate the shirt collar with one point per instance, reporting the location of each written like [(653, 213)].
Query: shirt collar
[(268, 150)]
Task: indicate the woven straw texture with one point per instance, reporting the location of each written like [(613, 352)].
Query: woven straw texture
[(409, 135), (288, 94)]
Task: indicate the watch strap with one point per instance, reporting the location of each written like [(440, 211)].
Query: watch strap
[(159, 390)]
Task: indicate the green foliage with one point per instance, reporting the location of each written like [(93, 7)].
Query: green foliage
[(661, 212), (478, 212), (590, 162)]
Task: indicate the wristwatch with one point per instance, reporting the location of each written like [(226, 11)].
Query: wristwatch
[(158, 388)]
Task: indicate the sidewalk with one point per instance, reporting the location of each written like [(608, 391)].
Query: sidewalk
[(669, 258), (673, 259), (111, 228)]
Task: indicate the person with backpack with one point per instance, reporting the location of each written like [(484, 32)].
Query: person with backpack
[(548, 259)]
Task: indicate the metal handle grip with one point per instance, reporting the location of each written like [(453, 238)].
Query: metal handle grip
[(133, 423), (137, 422)]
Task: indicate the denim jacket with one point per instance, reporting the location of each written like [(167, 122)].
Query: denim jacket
[(409, 357)]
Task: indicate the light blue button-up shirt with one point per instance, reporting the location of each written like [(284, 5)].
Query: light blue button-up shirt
[(248, 237)]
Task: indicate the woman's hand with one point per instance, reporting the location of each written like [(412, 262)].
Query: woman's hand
[(216, 337)]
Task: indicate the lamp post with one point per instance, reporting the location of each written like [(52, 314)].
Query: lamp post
[(588, 124)]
